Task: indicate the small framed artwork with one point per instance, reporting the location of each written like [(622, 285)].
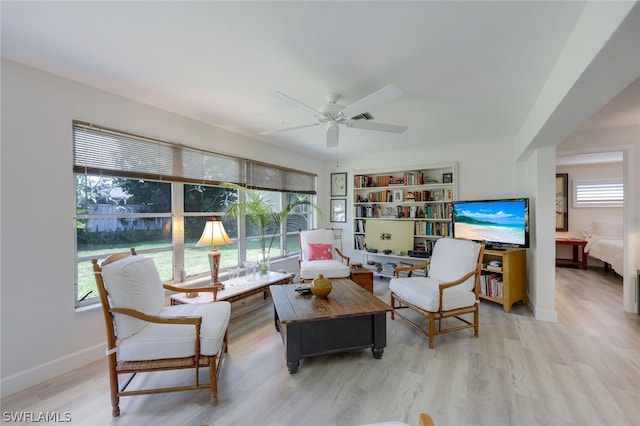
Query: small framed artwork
[(562, 202), (338, 208), (338, 184), (397, 195), (447, 178)]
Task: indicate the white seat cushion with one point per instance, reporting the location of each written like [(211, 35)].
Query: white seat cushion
[(134, 283), (160, 341), (423, 292), (329, 268)]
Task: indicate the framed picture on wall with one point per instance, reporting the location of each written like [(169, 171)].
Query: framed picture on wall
[(338, 184), (562, 202), (338, 209)]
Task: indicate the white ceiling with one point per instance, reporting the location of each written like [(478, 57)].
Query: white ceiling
[(470, 71)]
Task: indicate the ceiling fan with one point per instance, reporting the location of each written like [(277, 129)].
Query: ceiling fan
[(355, 115)]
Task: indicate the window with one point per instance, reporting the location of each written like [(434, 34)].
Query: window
[(598, 193), (156, 197)]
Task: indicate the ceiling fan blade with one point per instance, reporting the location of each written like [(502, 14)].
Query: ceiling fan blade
[(332, 136), (380, 127), (286, 129), (297, 103), (386, 94)]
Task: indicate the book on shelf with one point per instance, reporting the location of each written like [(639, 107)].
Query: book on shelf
[(492, 285)]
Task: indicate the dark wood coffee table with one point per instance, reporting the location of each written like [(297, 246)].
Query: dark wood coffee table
[(349, 318)]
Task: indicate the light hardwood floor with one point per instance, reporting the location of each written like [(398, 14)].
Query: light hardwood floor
[(584, 370)]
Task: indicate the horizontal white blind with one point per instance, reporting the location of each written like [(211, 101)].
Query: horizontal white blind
[(269, 177), (98, 150), (608, 193)]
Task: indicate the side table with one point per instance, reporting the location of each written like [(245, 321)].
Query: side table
[(578, 245), (363, 277)]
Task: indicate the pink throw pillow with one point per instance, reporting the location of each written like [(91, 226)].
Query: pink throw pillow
[(320, 251)]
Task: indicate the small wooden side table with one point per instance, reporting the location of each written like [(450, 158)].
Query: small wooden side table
[(363, 277), (577, 245)]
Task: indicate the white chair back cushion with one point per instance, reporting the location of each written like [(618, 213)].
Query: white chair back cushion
[(133, 283), (314, 236), (453, 258)]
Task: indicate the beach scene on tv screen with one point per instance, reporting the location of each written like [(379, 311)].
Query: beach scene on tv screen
[(497, 221)]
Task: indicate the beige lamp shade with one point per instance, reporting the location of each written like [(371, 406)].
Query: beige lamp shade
[(213, 235)]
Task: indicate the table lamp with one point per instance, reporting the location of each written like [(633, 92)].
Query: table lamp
[(214, 235)]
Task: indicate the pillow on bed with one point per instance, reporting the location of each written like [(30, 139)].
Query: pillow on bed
[(606, 228)]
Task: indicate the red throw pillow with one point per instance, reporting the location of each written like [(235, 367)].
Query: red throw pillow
[(320, 251)]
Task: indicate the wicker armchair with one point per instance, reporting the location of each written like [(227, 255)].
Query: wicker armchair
[(143, 335)]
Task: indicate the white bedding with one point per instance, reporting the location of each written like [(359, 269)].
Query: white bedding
[(604, 242), (606, 249)]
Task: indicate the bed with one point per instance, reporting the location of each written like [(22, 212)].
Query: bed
[(604, 242)]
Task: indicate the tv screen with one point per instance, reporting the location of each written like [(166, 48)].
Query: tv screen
[(501, 223)]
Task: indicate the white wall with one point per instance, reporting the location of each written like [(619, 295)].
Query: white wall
[(480, 176), (42, 334)]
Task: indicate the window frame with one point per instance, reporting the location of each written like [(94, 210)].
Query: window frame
[(261, 176)]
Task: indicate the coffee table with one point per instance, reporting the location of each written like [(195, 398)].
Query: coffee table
[(236, 289), (349, 318)]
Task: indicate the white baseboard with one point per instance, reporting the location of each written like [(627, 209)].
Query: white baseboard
[(27, 378), (548, 315)]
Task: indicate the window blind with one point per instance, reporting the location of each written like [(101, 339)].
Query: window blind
[(598, 194), (99, 150), (269, 177)]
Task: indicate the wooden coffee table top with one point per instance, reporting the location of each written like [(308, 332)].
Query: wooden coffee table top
[(346, 299)]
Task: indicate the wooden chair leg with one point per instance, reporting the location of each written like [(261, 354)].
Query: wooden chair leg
[(432, 330), (213, 381), (476, 321), (115, 387), (393, 307)]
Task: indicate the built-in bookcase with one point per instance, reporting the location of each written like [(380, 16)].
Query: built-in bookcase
[(421, 195)]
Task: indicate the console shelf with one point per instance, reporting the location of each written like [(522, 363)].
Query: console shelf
[(507, 284)]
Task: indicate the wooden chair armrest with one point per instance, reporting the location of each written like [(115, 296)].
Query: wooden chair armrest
[(156, 319), (347, 258), (208, 288), (444, 286), (422, 265)]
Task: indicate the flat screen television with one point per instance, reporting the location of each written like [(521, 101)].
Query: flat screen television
[(501, 223)]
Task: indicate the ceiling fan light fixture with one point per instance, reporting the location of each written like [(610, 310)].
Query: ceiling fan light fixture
[(332, 125), (355, 115)]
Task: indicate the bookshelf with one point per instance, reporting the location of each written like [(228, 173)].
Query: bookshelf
[(507, 283), (419, 195)]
